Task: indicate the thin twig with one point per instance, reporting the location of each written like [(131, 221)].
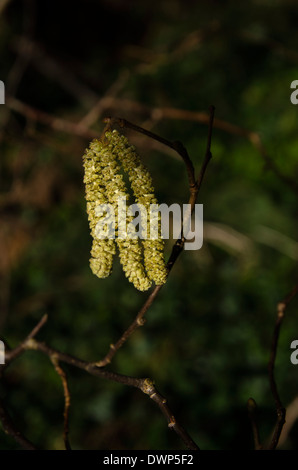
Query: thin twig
[(149, 389), (252, 408), (177, 146), (138, 321), (280, 409), (179, 245), (208, 154), (292, 415), (12, 354), (66, 392)]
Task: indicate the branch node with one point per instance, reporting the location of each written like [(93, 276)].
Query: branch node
[(31, 343), (172, 423), (281, 309), (141, 321), (148, 387)]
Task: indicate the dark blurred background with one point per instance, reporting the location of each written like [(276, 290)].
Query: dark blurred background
[(206, 343)]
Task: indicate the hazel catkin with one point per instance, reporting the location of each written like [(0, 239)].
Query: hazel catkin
[(104, 162)]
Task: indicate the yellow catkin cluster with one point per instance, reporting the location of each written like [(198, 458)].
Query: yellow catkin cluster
[(105, 184), (102, 251)]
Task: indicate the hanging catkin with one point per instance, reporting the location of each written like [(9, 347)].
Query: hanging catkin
[(102, 251), (105, 184)]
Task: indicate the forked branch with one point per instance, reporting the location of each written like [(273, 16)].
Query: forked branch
[(146, 385)]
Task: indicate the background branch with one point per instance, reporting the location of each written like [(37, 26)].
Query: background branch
[(56, 123), (10, 429), (252, 409), (280, 410), (66, 392)]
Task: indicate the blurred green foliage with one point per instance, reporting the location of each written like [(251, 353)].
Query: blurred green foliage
[(207, 338)]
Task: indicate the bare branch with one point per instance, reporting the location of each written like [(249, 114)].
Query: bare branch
[(12, 354), (292, 416), (149, 389), (63, 377), (252, 408), (143, 384), (138, 321), (280, 410)]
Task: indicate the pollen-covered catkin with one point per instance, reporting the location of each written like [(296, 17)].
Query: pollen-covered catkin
[(102, 251), (111, 180), (105, 185), (143, 190)]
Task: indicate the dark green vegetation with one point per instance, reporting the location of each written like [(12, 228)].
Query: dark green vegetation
[(206, 342)]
